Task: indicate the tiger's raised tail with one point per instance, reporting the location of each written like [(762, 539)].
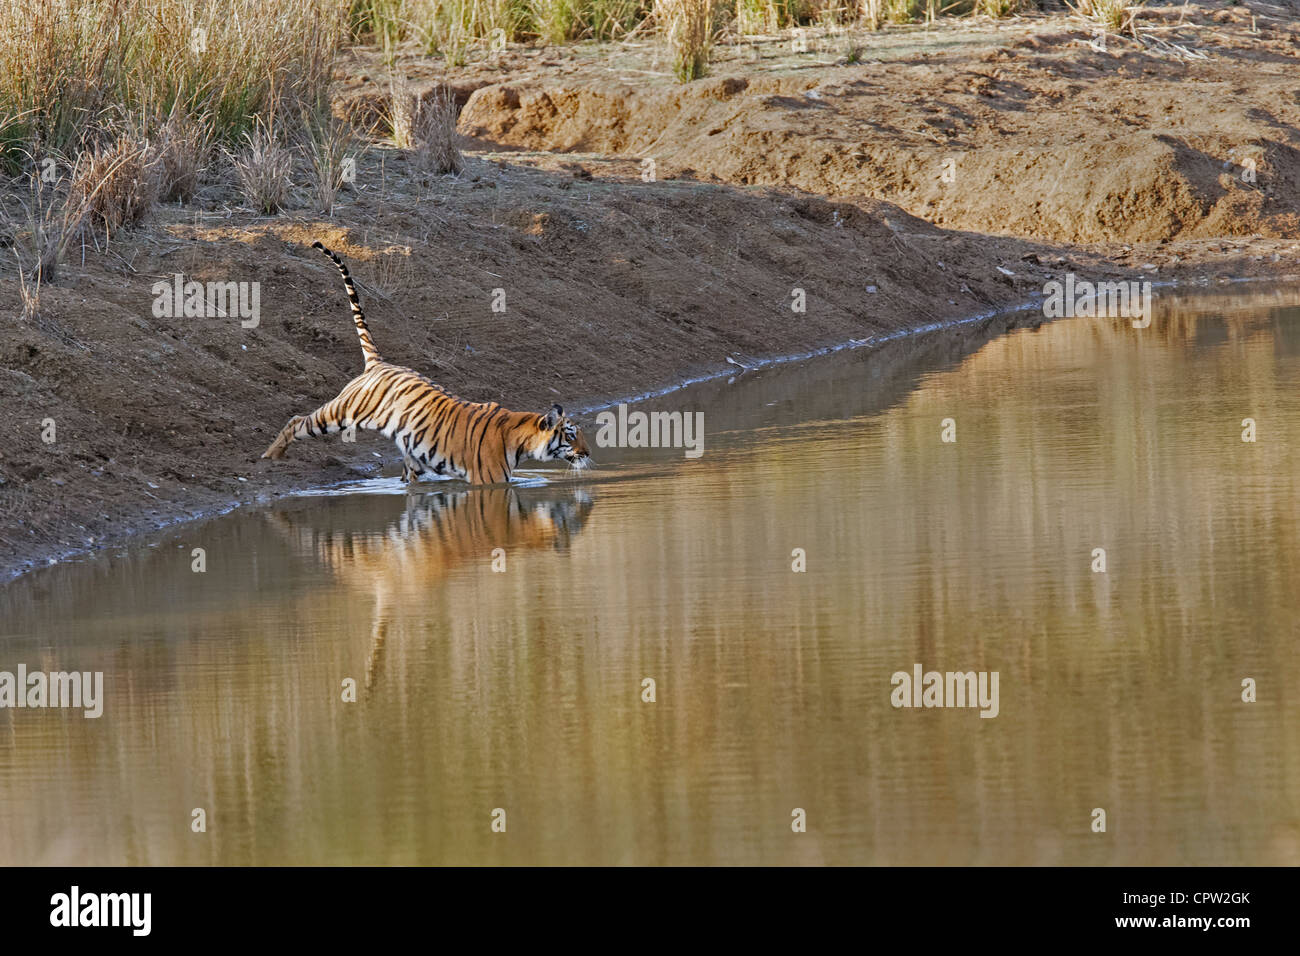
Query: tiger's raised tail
[(368, 349)]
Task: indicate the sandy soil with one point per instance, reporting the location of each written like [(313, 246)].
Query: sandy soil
[(783, 170), (1050, 132)]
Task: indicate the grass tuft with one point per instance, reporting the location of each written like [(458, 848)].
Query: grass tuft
[(332, 148), (1114, 15), (264, 168), (426, 128), (116, 183), (687, 26)]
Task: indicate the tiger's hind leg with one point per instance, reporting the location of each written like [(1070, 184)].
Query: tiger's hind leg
[(320, 422), (287, 434)]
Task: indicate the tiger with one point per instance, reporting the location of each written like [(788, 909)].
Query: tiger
[(436, 432)]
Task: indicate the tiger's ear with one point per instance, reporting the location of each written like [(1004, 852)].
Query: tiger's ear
[(552, 418)]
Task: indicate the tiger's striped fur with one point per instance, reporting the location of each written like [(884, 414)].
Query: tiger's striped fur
[(435, 431)]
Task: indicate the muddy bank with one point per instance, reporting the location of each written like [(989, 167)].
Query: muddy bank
[(611, 286)]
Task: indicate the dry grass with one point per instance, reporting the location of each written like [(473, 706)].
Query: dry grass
[(997, 9), (264, 168), (437, 144), (392, 271), (29, 293), (451, 27), (39, 225), (116, 183), (185, 146), (902, 11), (874, 14), (333, 149), (426, 128), (757, 16), (871, 13), (1114, 15), (68, 66), (402, 107), (687, 26)]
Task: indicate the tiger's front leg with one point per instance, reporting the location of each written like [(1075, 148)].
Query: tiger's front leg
[(411, 469)]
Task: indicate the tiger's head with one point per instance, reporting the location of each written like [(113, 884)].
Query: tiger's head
[(561, 439)]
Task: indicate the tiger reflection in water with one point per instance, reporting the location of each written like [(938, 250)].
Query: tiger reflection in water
[(436, 534)]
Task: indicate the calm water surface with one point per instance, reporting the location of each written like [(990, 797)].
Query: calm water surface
[(522, 690)]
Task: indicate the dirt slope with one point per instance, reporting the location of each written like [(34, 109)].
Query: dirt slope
[(1043, 133)]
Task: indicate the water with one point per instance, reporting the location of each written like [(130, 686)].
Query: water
[(522, 690)]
